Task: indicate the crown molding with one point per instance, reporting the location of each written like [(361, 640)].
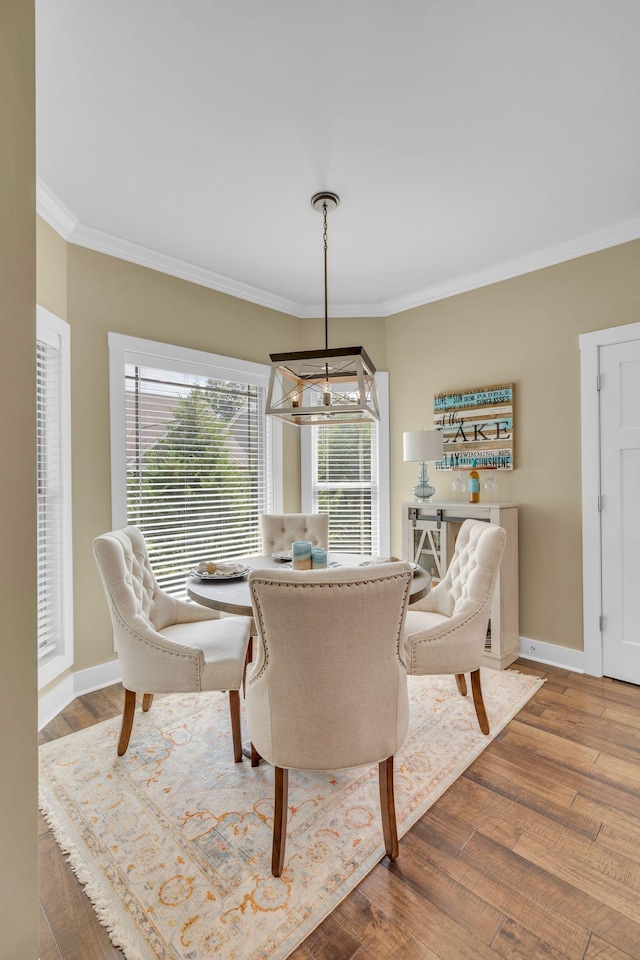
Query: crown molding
[(54, 211), (508, 269), (68, 226), (315, 311), (146, 257)]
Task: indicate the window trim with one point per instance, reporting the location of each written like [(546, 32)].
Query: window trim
[(57, 332), (125, 349), (306, 460)]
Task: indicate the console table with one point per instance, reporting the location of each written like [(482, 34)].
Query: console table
[(429, 531)]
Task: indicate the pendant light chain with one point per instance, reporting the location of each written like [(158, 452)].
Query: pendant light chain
[(326, 313)]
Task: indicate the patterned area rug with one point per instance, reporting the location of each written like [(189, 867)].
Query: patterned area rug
[(173, 841)]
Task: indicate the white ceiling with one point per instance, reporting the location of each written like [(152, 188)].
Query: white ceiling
[(469, 140)]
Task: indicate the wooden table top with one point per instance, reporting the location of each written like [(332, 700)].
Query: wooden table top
[(232, 596)]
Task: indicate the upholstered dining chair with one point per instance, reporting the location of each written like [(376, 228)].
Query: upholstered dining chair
[(328, 688), (446, 631), (280, 530), (164, 644)]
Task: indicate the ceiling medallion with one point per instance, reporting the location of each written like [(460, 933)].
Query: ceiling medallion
[(314, 387)]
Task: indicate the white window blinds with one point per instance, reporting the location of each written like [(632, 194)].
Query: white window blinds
[(49, 497), (345, 474), (199, 467), (54, 588), (345, 485)]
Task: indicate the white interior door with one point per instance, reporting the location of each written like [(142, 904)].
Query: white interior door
[(620, 508)]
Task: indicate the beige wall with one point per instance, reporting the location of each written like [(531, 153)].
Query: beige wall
[(51, 273), (523, 330), (18, 700), (106, 294)]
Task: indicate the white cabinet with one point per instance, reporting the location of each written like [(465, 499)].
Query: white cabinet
[(429, 532)]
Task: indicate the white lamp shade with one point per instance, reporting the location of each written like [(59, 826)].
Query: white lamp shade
[(422, 445)]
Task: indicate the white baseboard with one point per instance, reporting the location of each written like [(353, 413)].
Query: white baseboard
[(553, 655), (52, 701), (74, 685)]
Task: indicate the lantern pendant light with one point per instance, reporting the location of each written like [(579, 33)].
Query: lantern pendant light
[(319, 386)]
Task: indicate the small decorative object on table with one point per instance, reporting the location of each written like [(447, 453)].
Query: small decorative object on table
[(318, 558), (474, 483), (220, 570), (301, 554)]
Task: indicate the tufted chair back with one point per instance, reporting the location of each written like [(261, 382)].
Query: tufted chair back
[(446, 630), (472, 570), (164, 644), (123, 561), (280, 530), (144, 618), (329, 686)]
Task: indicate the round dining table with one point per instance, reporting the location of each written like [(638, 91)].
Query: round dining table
[(232, 596)]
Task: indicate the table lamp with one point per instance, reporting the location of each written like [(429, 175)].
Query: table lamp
[(420, 446)]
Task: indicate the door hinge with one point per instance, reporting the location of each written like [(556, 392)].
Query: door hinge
[(601, 622), (598, 382), (599, 503), (413, 515)]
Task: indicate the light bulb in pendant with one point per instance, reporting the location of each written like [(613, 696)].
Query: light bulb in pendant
[(326, 390), (296, 403)]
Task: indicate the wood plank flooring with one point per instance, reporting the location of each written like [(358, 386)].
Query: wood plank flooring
[(533, 854)]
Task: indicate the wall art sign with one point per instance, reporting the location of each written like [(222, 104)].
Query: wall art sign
[(477, 425)]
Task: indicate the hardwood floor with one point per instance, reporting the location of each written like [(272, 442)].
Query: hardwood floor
[(533, 853)]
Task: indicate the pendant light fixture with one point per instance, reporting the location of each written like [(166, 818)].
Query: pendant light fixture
[(317, 386)]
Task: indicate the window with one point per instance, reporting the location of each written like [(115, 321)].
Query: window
[(345, 473), (195, 460), (53, 460)]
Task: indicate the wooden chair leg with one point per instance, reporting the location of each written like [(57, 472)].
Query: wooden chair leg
[(478, 702), (255, 757), (388, 807), (127, 721), (236, 733), (247, 660), (147, 700), (462, 684), (279, 820)]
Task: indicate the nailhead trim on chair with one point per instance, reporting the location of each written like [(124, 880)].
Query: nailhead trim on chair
[(446, 633), (155, 646)]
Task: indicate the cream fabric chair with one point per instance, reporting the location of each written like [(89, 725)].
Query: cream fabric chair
[(166, 645), (446, 632), (280, 530), (329, 686)]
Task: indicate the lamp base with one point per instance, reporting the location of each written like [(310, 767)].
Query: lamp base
[(423, 489)]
